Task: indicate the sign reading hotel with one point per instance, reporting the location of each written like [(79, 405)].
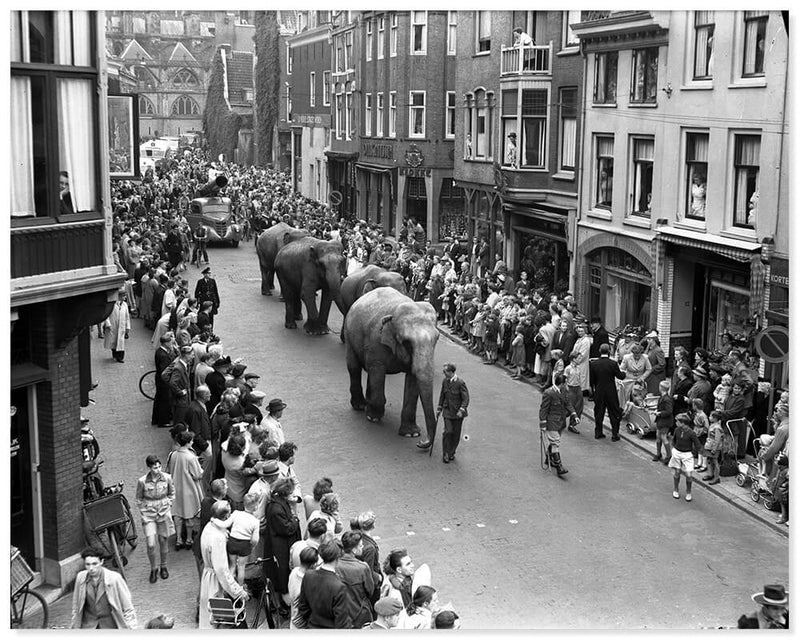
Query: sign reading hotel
[(377, 150), (312, 120)]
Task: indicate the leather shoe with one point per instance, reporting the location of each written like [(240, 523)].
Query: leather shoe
[(656, 458), (445, 459), (452, 457), (423, 445), (573, 429), (153, 576), (164, 573), (707, 477), (615, 438), (599, 435)]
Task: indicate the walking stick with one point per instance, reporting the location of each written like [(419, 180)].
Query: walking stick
[(432, 438)]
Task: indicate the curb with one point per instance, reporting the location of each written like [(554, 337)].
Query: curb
[(727, 497)]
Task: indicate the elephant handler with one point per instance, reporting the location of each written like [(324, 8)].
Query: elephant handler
[(453, 403), (554, 411)]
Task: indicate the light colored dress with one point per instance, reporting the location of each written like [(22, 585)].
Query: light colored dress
[(217, 578), (582, 347)]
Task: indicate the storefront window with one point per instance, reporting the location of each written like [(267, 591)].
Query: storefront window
[(728, 314), (545, 260), (619, 289)]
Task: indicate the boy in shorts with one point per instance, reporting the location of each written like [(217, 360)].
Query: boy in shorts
[(244, 535), (684, 446)]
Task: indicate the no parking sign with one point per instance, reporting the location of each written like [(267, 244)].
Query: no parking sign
[(772, 344)]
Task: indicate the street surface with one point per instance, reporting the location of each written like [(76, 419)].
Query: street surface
[(510, 545)]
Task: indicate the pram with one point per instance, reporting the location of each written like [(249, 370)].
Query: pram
[(761, 487), (641, 419)]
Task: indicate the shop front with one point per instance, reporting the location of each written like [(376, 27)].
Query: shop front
[(539, 241), (777, 312), (376, 179), (483, 211), (342, 177)]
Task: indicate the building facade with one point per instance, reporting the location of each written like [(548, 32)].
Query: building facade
[(63, 276), (170, 55), (685, 127), (310, 95), (518, 131)]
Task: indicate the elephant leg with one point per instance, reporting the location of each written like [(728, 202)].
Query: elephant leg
[(324, 311), (376, 399), (297, 305), (266, 280), (408, 417), (289, 323), (354, 368), (310, 299)]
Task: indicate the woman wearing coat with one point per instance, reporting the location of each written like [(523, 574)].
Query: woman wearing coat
[(581, 360), (283, 529), (186, 472), (658, 363), (117, 326)]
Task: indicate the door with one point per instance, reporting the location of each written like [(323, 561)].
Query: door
[(22, 504)]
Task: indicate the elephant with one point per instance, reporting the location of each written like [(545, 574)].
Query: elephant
[(304, 267), (386, 332), (365, 279), (268, 245)]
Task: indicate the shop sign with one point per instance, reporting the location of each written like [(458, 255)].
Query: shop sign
[(777, 279), (420, 172), (312, 120), (377, 150)]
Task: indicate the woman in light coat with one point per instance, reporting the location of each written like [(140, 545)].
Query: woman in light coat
[(187, 473), (117, 326), (581, 352)]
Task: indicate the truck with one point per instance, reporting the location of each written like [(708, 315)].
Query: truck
[(214, 212)]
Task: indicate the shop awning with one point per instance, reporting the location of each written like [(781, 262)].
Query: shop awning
[(342, 155), (738, 250), (368, 166)]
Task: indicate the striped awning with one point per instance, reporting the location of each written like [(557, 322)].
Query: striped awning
[(738, 250)]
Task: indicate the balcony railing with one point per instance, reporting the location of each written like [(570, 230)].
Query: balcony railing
[(56, 248), (534, 59)]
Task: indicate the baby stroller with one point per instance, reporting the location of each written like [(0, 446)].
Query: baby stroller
[(755, 474), (640, 412)]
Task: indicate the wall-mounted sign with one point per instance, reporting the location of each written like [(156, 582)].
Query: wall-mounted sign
[(377, 150), (414, 157), (312, 120), (419, 172), (777, 279)]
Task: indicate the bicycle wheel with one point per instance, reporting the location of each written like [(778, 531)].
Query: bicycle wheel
[(147, 384), (30, 613), (275, 620), (263, 605)]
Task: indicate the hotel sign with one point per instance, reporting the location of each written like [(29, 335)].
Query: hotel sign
[(312, 120), (377, 150)]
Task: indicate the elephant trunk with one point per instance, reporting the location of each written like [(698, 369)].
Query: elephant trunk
[(423, 371)]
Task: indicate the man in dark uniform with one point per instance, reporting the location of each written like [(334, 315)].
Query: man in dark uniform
[(602, 373), (453, 403), (173, 245), (554, 412), (162, 406), (599, 336), (206, 290)]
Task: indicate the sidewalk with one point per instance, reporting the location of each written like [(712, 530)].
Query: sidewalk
[(727, 489)]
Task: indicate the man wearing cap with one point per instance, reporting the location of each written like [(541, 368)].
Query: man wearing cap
[(180, 384), (206, 289), (702, 389), (387, 612), (251, 379), (271, 422), (252, 401), (773, 613), (453, 403)]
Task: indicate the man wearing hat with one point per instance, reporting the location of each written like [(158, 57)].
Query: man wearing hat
[(702, 389), (387, 612), (117, 327), (511, 150), (216, 381), (237, 371), (271, 422), (206, 289), (773, 613), (180, 384), (251, 380), (252, 401), (268, 472)]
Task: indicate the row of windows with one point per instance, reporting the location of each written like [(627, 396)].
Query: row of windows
[(744, 175), (181, 106)]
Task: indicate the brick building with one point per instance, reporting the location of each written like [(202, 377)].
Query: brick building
[(684, 190), (63, 277)]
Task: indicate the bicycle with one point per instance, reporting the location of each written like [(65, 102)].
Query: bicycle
[(269, 603), (33, 614), (109, 524), (147, 385)]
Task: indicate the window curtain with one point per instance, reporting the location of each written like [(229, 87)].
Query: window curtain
[(751, 45), (605, 147), (645, 150), (569, 134), (484, 25), (702, 53), (698, 149), (76, 140), (22, 201)]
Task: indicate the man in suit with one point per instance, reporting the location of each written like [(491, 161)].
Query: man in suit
[(453, 403), (564, 338), (162, 405), (206, 289), (179, 384), (358, 578), (216, 381), (100, 599), (602, 375), (323, 595), (599, 336), (554, 411), (197, 419)]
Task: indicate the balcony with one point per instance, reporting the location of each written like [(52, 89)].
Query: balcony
[(533, 60), (56, 248)]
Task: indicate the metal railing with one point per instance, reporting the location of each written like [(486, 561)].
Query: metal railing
[(534, 59)]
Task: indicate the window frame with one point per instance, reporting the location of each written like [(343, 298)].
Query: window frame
[(412, 108), (393, 31), (641, 168), (479, 103), (381, 37), (312, 88), (368, 38), (690, 169), (326, 88), (348, 50), (349, 109), (601, 166), (392, 132), (566, 42), (452, 32), (606, 82), (739, 137), (477, 22), (646, 97), (423, 27), (449, 115), (761, 20), (368, 114), (338, 97), (705, 29), (543, 121), (379, 109), (289, 59), (562, 118)]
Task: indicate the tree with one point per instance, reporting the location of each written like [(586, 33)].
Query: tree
[(267, 41)]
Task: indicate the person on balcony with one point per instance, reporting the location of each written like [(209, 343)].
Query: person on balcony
[(525, 43)]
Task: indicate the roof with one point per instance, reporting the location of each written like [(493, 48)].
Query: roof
[(239, 74)]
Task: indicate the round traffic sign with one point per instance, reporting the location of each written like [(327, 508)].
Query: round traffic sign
[(335, 197), (772, 344)]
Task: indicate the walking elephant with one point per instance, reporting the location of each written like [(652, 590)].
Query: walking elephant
[(268, 245), (305, 267), (364, 280), (387, 333)]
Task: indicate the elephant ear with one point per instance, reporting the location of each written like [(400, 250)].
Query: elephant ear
[(389, 339), (287, 238), (368, 286)]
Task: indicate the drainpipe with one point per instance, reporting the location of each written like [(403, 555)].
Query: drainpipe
[(573, 233)]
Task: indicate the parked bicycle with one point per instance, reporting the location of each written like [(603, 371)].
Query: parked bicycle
[(29, 609), (270, 606), (147, 384)]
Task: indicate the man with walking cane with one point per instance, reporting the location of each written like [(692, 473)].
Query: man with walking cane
[(453, 403)]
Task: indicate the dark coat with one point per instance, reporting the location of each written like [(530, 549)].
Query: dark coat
[(206, 289), (734, 407), (664, 412), (215, 381), (283, 529), (681, 396), (323, 601), (360, 583), (178, 382), (162, 405), (197, 419), (602, 373), (564, 341), (555, 409), (598, 338), (454, 396)]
